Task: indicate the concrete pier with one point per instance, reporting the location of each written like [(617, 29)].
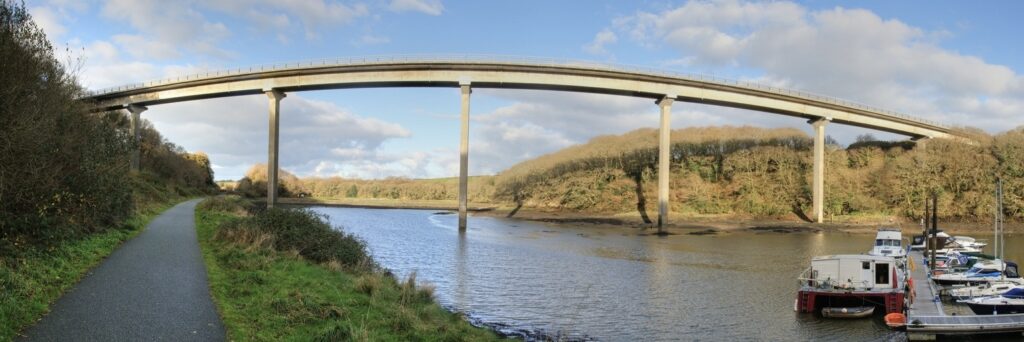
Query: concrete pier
[(275, 97), (135, 122), (464, 156), (664, 158), (818, 193)]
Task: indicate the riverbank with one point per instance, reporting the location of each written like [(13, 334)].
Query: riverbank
[(35, 279), (265, 294), (681, 222)]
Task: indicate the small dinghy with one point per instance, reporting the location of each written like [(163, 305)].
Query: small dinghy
[(854, 312), (896, 320)]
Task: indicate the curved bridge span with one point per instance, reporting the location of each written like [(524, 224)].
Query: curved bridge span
[(468, 72)]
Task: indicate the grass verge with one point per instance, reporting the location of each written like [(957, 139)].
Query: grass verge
[(38, 276), (269, 291)]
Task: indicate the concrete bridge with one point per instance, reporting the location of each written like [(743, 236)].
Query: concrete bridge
[(467, 72)]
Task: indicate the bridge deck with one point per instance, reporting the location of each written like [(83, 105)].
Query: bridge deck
[(927, 318)]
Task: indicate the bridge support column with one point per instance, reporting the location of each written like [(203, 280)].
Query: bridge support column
[(664, 159), (275, 97), (818, 187), (920, 141), (135, 130), (464, 156)]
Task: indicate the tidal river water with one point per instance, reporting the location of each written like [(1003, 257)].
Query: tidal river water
[(613, 284)]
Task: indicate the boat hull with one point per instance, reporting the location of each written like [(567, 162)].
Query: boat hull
[(1001, 309)]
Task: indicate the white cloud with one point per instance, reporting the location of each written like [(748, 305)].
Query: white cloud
[(597, 46), (431, 7), (49, 21), (848, 53), (169, 25), (316, 137)]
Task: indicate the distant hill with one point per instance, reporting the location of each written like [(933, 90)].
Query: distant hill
[(733, 171)]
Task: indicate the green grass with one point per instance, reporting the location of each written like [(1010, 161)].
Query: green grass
[(268, 295), (40, 275)]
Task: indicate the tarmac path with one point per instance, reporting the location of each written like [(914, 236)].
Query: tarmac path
[(152, 288)]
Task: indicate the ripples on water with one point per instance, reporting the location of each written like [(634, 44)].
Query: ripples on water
[(610, 284)]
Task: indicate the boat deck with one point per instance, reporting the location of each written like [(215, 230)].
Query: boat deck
[(926, 317)]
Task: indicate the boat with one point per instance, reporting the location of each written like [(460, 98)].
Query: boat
[(844, 312), (967, 241), (852, 280), (1011, 302), (920, 242), (889, 242), (896, 320), (982, 272), (994, 288)]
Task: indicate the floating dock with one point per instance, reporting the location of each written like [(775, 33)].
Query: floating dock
[(926, 317)]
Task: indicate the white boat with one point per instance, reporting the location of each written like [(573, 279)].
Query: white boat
[(994, 288), (982, 272), (1011, 302), (920, 242), (889, 242), (967, 241)]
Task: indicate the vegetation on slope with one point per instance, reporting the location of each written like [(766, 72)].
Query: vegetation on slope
[(254, 184), (286, 274), (768, 173), (68, 198), (734, 171)]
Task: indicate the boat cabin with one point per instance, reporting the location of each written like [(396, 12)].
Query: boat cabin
[(855, 272), (852, 280), (889, 242)]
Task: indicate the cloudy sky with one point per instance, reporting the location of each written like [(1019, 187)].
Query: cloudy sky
[(952, 62)]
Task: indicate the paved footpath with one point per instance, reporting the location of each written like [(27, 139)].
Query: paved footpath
[(152, 288)]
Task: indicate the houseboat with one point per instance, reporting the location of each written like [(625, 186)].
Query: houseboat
[(852, 281)]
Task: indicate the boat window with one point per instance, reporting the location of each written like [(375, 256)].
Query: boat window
[(1011, 271), (881, 273), (879, 242), (865, 265)]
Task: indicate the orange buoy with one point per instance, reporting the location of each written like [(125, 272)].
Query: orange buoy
[(896, 320)]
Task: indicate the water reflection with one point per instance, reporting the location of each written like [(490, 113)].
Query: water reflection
[(611, 284), (460, 273)]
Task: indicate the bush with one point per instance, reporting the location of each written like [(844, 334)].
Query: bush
[(228, 204), (62, 169), (302, 231)]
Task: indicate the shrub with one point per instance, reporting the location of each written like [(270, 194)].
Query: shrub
[(229, 204), (62, 169), (303, 231)]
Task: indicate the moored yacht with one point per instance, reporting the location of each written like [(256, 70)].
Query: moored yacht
[(1011, 302), (994, 288), (982, 272)]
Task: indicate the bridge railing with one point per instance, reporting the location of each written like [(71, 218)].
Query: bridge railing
[(511, 60)]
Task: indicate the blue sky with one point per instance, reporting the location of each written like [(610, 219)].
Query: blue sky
[(953, 62)]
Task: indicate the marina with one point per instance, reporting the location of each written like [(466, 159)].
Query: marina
[(926, 317), (911, 291)]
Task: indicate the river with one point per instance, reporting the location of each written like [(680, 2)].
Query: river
[(612, 284)]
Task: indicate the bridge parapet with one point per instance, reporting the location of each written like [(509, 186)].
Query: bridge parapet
[(474, 59)]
